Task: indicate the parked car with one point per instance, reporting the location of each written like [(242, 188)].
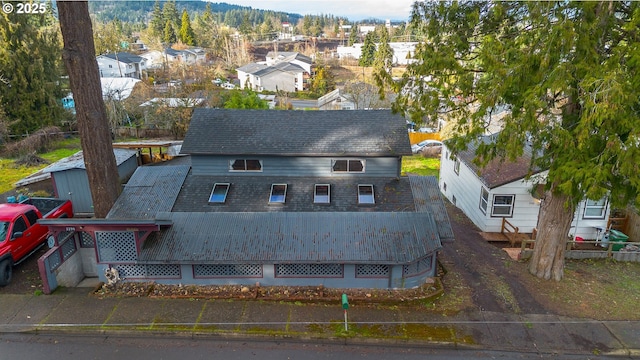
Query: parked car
[(416, 148), (20, 233)]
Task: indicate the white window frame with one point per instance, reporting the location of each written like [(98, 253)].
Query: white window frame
[(456, 165), (348, 170), (232, 162), (224, 197), (594, 205), (366, 198), (484, 199), (509, 206), (321, 198), (275, 198)]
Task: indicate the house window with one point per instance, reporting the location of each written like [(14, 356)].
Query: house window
[(245, 165), (595, 209), (350, 165), (219, 193), (110, 66), (456, 166), (322, 194), (484, 200), (365, 194), (502, 205), (278, 194)]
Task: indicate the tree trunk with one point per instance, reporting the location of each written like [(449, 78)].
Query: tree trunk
[(547, 261), (95, 136)]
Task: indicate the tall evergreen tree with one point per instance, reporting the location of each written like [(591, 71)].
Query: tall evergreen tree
[(30, 61), (353, 34), (383, 59), (187, 36), (568, 75), (170, 13), (157, 20), (368, 51), (169, 34)]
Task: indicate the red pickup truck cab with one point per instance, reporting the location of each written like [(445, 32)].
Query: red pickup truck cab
[(20, 233)]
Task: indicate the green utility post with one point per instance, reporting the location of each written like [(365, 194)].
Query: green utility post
[(345, 306)]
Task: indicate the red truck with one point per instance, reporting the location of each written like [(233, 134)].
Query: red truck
[(20, 233)]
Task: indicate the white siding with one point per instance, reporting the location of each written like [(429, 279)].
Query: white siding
[(586, 228), (467, 187), (525, 208)]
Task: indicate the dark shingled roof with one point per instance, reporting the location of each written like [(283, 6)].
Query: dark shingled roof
[(381, 238), (251, 194), (125, 57), (498, 172), (297, 133)]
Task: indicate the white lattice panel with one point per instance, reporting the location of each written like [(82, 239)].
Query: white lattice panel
[(227, 270), (309, 270), (116, 246), (372, 271)]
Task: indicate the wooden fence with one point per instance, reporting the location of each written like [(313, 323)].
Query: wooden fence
[(415, 137), (526, 250)]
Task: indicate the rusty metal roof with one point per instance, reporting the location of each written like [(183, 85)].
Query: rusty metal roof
[(329, 237), (149, 191)]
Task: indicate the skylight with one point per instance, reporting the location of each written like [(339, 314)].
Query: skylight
[(219, 193), (322, 194), (365, 194), (278, 194)]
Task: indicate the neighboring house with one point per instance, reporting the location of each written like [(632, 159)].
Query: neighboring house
[(499, 191), (360, 96), (335, 100), (172, 55), (277, 197), (188, 56), (281, 71), (121, 64), (154, 59), (174, 102)]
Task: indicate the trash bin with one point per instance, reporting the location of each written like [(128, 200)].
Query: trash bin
[(617, 236)]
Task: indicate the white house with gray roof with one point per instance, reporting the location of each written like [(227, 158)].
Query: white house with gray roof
[(281, 198), (287, 71), (121, 64), (501, 190)]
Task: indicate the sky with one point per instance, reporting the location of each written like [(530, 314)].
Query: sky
[(352, 9)]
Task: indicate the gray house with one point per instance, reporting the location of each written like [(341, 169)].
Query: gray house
[(280, 198)]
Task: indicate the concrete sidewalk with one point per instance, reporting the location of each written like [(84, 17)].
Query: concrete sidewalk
[(75, 309)]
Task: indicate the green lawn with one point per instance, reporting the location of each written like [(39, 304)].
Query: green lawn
[(419, 165), (10, 172)]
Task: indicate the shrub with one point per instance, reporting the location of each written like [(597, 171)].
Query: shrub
[(39, 141)]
